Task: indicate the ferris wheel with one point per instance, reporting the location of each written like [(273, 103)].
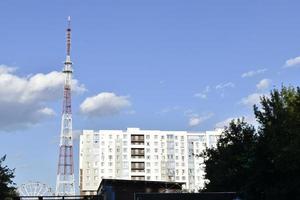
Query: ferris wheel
[(34, 189)]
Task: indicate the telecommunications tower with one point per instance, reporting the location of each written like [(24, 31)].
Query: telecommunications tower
[(65, 183)]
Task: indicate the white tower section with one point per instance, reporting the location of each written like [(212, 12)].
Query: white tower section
[(65, 183)]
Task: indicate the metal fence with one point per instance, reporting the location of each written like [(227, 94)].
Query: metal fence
[(93, 197)]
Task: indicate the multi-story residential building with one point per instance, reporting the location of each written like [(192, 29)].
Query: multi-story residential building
[(143, 155)]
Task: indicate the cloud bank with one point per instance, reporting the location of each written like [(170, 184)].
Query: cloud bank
[(23, 99)]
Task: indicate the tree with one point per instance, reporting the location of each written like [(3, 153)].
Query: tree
[(278, 150), (262, 163), (6, 183), (229, 165)]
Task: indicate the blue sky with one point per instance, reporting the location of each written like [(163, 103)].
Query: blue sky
[(153, 64)]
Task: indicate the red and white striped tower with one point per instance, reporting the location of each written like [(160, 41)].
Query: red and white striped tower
[(65, 183)]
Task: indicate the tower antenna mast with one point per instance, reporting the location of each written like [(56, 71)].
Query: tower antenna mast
[(65, 182)]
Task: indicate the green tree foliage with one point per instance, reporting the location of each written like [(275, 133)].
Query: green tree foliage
[(262, 163), (6, 184), (229, 165), (278, 149)]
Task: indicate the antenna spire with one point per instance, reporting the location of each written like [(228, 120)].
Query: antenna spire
[(69, 36), (65, 184)]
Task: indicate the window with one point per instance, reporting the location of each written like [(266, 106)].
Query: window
[(137, 139), (156, 137), (125, 164), (137, 165), (137, 177), (137, 153)]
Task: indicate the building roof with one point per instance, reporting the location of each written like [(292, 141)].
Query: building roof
[(140, 182)]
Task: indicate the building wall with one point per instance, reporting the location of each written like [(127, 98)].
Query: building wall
[(143, 155)]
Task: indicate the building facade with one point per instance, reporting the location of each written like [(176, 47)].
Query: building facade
[(136, 154)]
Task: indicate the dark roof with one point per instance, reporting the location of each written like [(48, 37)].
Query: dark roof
[(140, 182)]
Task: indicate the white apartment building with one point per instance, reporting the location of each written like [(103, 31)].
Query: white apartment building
[(143, 155)]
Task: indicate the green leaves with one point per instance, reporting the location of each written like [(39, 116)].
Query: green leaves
[(262, 163), (6, 184)]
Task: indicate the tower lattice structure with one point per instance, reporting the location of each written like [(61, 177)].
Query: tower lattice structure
[(65, 183)]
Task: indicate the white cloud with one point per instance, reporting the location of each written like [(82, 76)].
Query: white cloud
[(225, 85), (169, 109), (203, 94), (6, 69), (292, 62), (104, 104), (47, 111), (263, 84), (195, 119), (23, 99), (248, 119), (252, 99), (253, 73), (224, 123)]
